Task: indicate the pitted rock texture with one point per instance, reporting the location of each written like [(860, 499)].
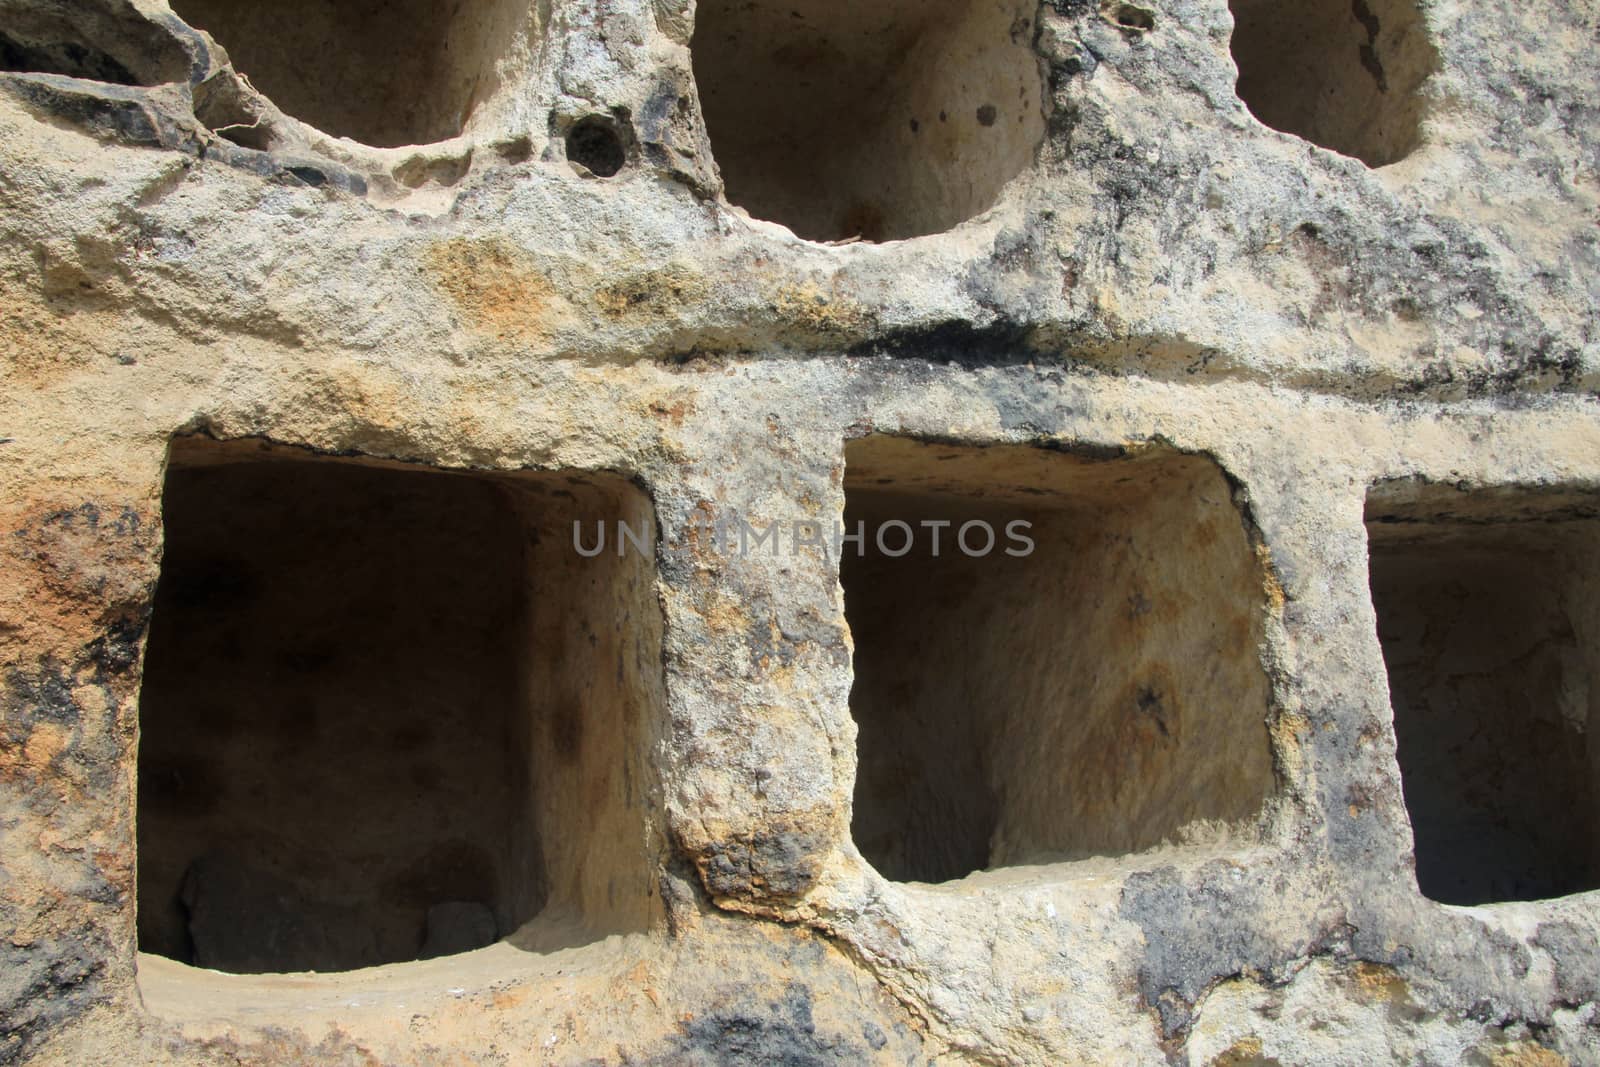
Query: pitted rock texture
[(321, 325)]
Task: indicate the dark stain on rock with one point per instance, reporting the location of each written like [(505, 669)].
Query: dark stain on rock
[(102, 110), (780, 1033), (117, 649), (1001, 343), (1150, 706), (1369, 51), (1196, 934), (47, 985), (42, 695), (1577, 959), (86, 552), (772, 864)]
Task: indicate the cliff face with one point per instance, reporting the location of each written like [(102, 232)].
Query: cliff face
[(472, 482)]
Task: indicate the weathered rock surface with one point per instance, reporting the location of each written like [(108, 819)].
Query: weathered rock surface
[(441, 356)]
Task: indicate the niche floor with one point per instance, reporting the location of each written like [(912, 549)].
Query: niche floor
[(1343, 74), (884, 120), (1488, 618), (382, 72), (1096, 696), (389, 713)]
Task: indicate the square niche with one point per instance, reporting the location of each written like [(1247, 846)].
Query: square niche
[(1488, 608), (1095, 695), (390, 712)]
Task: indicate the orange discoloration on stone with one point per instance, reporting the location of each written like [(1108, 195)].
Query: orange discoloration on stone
[(508, 999), (724, 615), (816, 310), (40, 345), (45, 742), (665, 291), (1527, 1054), (1376, 983), (1288, 737), (497, 287), (1246, 1052), (72, 569), (1269, 581), (673, 410)]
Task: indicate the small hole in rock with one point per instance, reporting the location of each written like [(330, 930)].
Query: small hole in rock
[(593, 144), (433, 170), (1344, 74), (515, 151), (1130, 17)]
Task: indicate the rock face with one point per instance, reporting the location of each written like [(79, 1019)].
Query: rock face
[(476, 473)]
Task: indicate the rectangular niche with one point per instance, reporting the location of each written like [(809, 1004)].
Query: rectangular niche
[(1097, 696), (386, 73), (390, 713), (1488, 607)]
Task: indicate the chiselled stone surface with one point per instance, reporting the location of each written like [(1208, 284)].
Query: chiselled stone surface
[(322, 324)]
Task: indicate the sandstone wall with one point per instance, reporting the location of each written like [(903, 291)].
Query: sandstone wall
[(321, 324)]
